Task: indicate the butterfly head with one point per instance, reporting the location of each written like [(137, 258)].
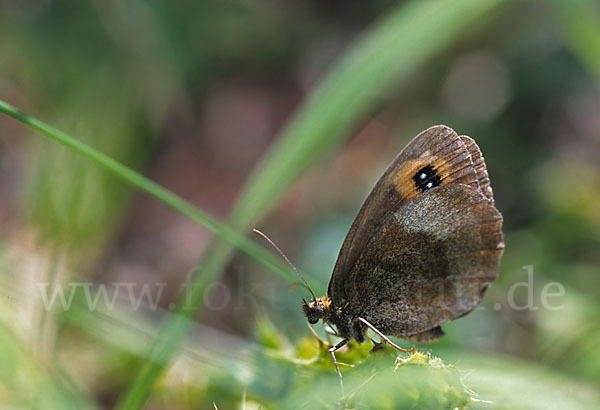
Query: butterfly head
[(317, 308)]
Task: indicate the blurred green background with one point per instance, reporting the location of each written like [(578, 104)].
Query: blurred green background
[(282, 115)]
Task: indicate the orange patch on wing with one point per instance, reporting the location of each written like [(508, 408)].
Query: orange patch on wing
[(454, 168), (403, 179)]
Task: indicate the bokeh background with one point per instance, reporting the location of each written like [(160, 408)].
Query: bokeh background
[(195, 95)]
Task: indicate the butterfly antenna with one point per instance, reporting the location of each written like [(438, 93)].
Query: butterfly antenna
[(256, 231)]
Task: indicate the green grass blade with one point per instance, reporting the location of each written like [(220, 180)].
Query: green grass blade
[(134, 178), (402, 41)]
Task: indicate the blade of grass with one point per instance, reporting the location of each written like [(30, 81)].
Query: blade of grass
[(137, 180), (402, 41)]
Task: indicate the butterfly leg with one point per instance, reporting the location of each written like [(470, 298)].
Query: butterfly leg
[(319, 340), (332, 351), (329, 331), (376, 345), (384, 337)]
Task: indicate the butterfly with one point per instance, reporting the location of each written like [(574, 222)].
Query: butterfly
[(422, 250)]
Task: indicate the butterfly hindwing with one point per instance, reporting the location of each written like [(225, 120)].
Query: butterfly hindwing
[(430, 263)]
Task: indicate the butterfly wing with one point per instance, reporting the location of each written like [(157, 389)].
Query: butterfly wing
[(430, 263), (426, 241)]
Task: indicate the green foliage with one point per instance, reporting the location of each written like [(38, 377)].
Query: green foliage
[(32, 383)]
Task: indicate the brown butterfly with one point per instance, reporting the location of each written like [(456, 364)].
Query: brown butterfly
[(423, 248)]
